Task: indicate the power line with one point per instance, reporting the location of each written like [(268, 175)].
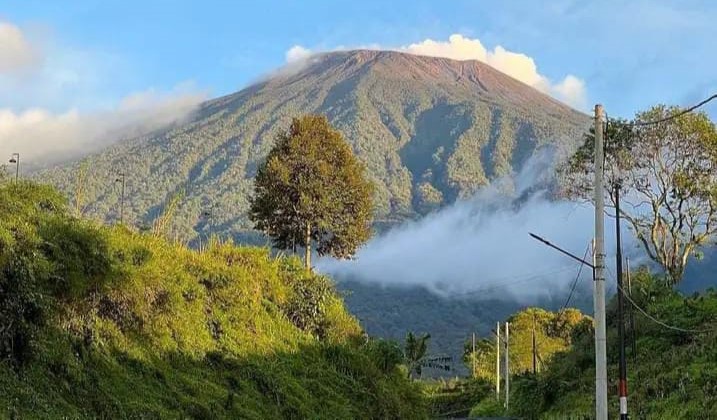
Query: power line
[(679, 114), (499, 285), (657, 321), (575, 282)]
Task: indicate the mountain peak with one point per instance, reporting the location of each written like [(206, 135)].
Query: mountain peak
[(430, 131), (469, 74)]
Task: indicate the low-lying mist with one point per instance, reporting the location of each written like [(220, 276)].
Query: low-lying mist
[(481, 248)]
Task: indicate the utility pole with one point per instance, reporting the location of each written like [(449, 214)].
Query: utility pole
[(599, 283), (622, 388), (15, 158), (473, 356), (507, 365), (497, 361), (121, 178), (633, 337), (534, 347)]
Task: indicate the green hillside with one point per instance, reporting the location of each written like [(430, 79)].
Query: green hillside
[(430, 130), (671, 370), (99, 322)]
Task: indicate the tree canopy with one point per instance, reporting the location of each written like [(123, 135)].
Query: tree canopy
[(312, 189), (667, 177)]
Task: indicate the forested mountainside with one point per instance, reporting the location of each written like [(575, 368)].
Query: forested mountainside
[(430, 130)]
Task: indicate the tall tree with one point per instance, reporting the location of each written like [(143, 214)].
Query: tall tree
[(312, 189), (667, 173)]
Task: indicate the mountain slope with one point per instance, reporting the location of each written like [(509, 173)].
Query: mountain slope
[(430, 130)]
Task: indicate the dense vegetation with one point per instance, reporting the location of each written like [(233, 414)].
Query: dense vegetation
[(671, 372), (552, 332), (429, 130), (100, 322)]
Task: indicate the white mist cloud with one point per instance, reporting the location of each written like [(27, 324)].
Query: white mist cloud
[(570, 90), (481, 248), (297, 53), (55, 104), (42, 136), (16, 51)]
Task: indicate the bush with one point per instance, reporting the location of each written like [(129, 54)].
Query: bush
[(23, 306), (307, 303)]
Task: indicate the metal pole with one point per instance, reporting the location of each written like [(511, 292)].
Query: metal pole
[(534, 348), (622, 388), (507, 365), (497, 361), (633, 335), (15, 158), (473, 358), (599, 292), (121, 179)]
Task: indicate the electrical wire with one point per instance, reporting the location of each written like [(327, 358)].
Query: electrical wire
[(575, 282), (655, 320), (679, 114), (494, 285)]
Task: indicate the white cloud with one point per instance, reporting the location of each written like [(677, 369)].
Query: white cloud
[(42, 136), (16, 52), (61, 102), (297, 53), (570, 90)]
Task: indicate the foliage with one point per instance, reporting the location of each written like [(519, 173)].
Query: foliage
[(306, 306), (666, 173), (312, 189), (553, 332), (415, 352), (671, 374), (24, 209), (104, 322), (393, 111), (455, 397)]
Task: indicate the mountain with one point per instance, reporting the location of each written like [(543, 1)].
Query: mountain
[(430, 130)]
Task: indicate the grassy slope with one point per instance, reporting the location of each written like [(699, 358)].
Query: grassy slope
[(132, 326)]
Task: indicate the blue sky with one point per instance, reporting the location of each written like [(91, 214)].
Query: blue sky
[(99, 56)]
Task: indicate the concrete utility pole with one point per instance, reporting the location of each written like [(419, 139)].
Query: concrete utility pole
[(507, 365), (599, 284), (497, 361)]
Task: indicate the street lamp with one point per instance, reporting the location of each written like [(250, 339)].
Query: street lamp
[(120, 178), (15, 158)]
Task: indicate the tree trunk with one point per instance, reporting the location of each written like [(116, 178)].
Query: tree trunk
[(307, 241)]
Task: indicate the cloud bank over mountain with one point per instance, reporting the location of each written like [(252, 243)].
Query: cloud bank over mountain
[(481, 248), (51, 110), (570, 89)]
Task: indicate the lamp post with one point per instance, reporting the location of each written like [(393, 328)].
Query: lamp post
[(120, 178), (15, 158)]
